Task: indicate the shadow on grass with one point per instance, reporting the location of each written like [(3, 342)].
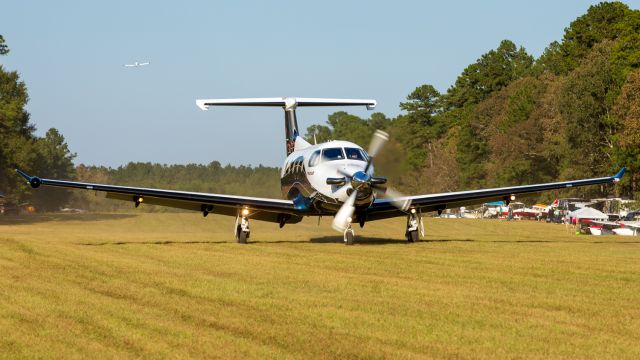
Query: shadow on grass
[(535, 241), (561, 242), (57, 217), (152, 243), (358, 240)]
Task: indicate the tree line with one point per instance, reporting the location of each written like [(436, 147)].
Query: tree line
[(258, 181), (512, 119), (19, 146), (508, 119)]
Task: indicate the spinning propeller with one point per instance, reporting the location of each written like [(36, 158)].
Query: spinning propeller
[(363, 182)]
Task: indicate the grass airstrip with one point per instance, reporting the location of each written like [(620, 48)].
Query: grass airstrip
[(176, 285)]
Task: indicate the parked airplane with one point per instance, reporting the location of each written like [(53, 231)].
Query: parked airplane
[(137, 64), (536, 211), (625, 228), (335, 178)]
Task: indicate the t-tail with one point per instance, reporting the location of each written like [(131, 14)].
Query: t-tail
[(292, 134)]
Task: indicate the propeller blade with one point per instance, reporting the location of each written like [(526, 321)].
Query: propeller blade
[(377, 141), (396, 198), (342, 218)]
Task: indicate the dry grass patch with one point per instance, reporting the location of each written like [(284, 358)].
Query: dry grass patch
[(159, 285)]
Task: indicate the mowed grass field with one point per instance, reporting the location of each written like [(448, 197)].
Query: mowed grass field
[(176, 285)]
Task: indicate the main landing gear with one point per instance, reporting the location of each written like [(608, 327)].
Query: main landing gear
[(414, 221), (242, 226)]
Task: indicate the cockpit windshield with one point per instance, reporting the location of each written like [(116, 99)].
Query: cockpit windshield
[(355, 154), (331, 154)]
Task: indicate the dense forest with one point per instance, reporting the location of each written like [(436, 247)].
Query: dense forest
[(19, 145), (508, 119), (511, 119)]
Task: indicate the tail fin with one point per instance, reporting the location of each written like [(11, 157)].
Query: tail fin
[(289, 105)]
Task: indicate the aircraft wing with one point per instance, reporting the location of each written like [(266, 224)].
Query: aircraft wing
[(383, 208), (272, 210), (632, 224), (605, 223)]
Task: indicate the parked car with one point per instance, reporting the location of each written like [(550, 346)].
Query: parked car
[(632, 216)]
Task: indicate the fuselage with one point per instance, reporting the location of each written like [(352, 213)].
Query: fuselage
[(305, 172)]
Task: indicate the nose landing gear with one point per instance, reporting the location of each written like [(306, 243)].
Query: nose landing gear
[(349, 235)]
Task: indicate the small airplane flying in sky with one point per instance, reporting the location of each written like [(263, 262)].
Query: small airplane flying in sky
[(137, 64), (335, 178)]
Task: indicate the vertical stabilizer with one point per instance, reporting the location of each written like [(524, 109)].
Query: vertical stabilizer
[(291, 131)]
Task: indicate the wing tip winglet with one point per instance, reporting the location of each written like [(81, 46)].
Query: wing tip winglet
[(619, 175), (23, 174), (34, 181)]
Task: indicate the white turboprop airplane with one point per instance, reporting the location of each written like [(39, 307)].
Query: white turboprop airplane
[(137, 64), (334, 178)]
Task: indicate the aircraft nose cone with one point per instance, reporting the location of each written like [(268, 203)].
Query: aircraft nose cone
[(360, 180)]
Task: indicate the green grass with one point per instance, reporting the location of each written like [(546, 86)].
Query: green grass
[(176, 285)]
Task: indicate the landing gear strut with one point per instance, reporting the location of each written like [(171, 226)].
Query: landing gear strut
[(413, 222), (349, 235), (242, 226)]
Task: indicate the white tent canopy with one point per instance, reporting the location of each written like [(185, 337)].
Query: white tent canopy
[(588, 213)]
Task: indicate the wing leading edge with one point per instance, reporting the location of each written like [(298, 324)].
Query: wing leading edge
[(383, 208), (272, 210)]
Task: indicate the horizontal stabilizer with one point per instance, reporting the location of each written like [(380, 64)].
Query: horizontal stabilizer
[(285, 102)]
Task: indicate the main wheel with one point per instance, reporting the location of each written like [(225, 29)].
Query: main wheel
[(348, 237), (412, 236), (242, 236)]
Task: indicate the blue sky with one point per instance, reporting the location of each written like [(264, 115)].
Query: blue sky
[(70, 54)]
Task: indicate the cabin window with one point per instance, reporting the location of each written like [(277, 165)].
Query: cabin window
[(332, 154), (355, 154), (314, 159)]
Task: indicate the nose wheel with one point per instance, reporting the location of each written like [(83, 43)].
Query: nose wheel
[(349, 235)]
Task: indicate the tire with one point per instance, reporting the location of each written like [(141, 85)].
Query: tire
[(348, 238), (242, 237), (412, 236)]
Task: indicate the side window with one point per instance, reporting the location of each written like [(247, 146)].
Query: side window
[(314, 159)]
